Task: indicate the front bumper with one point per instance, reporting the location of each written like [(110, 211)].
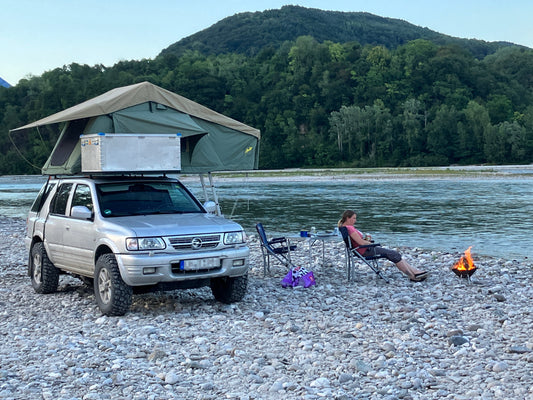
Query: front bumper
[(150, 268)]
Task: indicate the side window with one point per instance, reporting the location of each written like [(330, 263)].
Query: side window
[(41, 197), (82, 197), (59, 203)]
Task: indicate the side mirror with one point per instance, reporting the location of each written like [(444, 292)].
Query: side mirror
[(210, 207), (81, 212)]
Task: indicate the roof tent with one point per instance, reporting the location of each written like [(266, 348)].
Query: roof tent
[(209, 141)]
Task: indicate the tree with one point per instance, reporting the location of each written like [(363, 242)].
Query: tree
[(494, 145), (414, 123), (527, 122), (345, 130), (442, 139), (472, 133), (500, 108)]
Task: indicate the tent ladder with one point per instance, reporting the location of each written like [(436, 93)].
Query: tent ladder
[(213, 191)]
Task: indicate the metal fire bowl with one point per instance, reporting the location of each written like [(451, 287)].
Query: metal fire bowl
[(464, 274)]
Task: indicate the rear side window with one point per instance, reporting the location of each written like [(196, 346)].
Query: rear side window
[(42, 196), (59, 203)]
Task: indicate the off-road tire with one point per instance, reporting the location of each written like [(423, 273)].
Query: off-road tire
[(112, 295), (44, 275), (229, 290)]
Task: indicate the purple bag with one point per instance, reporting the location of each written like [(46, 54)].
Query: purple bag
[(307, 280), (287, 280), (298, 276)]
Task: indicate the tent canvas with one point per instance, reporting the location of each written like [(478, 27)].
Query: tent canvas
[(210, 141)]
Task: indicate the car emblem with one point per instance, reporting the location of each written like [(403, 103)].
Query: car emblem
[(196, 243)]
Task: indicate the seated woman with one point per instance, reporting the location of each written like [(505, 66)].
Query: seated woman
[(348, 220)]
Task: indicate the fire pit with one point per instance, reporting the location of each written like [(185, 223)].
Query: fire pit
[(465, 268)]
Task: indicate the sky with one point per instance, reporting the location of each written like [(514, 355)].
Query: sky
[(38, 36)]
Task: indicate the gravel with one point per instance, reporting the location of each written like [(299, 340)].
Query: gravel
[(444, 338)]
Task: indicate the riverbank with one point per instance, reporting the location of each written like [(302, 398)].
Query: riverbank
[(401, 173), (444, 338)]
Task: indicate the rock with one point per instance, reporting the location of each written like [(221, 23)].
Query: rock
[(474, 327), (457, 340), (156, 354), (519, 349), (361, 366), (320, 383), (387, 346), (171, 378), (276, 387), (343, 378), (500, 366), (499, 297), (454, 332)]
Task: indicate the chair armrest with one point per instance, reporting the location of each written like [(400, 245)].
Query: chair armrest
[(366, 246), (277, 240)]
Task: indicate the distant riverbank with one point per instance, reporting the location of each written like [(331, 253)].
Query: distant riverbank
[(449, 172)]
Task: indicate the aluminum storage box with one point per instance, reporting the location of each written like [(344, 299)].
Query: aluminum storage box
[(130, 152)]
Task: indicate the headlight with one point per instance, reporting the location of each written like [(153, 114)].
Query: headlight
[(234, 237), (149, 243)]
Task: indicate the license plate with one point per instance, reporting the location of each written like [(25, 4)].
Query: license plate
[(201, 263)]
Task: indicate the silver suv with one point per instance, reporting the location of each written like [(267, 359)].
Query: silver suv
[(132, 233)]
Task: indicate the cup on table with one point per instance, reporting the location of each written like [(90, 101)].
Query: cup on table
[(304, 234)]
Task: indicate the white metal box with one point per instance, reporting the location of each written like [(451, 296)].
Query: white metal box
[(130, 152)]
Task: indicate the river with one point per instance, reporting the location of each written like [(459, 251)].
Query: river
[(494, 215)]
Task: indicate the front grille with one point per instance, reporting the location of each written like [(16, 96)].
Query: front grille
[(185, 242)]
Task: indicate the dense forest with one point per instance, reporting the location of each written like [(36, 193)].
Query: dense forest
[(317, 103), (248, 33)]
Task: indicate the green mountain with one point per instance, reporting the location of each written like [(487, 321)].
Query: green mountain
[(248, 33)]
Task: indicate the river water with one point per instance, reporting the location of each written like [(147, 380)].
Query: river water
[(494, 215)]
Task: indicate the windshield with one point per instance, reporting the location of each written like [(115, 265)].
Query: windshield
[(142, 198)]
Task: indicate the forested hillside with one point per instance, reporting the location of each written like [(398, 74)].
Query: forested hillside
[(318, 103), (248, 33)]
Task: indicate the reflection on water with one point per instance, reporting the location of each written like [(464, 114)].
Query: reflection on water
[(495, 216)]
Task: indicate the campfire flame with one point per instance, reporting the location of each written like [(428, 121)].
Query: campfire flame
[(465, 265)]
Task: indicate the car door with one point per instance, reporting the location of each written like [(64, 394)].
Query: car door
[(79, 236), (55, 224)]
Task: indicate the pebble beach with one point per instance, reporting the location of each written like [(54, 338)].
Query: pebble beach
[(444, 338)]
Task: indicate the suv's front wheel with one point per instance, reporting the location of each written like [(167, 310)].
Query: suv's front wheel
[(112, 295), (229, 290), (44, 274)]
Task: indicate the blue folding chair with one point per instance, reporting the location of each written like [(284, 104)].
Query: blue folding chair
[(278, 247)]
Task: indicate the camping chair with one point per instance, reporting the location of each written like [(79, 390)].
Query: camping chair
[(352, 256), (279, 248)]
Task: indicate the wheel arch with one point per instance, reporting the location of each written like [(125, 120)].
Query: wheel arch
[(35, 239), (102, 249)]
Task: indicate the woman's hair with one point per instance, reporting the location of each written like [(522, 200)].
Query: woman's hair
[(345, 215)]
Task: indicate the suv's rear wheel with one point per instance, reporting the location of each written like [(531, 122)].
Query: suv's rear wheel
[(113, 296), (229, 290), (44, 274)]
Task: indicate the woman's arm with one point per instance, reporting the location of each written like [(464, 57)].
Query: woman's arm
[(356, 238)]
